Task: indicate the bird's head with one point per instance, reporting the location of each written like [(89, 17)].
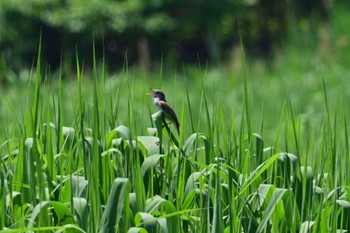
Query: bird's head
[(157, 94)]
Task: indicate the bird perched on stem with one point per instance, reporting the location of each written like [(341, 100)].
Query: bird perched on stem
[(160, 102)]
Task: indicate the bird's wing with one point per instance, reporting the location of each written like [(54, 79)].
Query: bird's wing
[(169, 113)]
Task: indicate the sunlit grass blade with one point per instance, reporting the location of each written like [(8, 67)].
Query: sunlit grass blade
[(258, 171), (94, 184), (246, 92), (34, 157), (217, 221), (117, 208), (190, 111), (296, 131), (59, 114), (209, 158), (280, 210)]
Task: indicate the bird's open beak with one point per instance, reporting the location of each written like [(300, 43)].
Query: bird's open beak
[(150, 93)]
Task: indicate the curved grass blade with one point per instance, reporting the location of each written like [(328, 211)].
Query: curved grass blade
[(137, 230), (81, 209), (258, 171), (159, 205), (117, 207), (61, 211)]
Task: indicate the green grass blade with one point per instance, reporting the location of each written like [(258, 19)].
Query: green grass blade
[(190, 111), (258, 171), (246, 92), (217, 223), (117, 207)]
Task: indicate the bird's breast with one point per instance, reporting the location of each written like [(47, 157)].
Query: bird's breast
[(157, 104)]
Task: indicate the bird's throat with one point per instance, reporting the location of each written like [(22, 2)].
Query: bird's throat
[(156, 103)]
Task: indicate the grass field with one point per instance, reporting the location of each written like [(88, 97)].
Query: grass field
[(261, 149)]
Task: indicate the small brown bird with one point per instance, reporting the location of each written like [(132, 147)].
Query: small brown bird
[(160, 102)]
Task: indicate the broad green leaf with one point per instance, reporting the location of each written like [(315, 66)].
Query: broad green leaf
[(190, 143), (150, 143), (150, 163), (116, 207), (123, 132), (110, 136), (281, 209), (110, 151), (306, 226), (158, 119), (159, 205), (265, 192), (273, 205), (15, 198), (62, 212), (189, 200), (69, 228), (68, 132), (344, 215), (28, 144), (307, 172), (81, 209), (117, 142), (155, 202), (258, 171), (137, 230), (152, 131), (78, 184), (133, 202), (146, 220), (147, 167), (190, 184), (322, 220), (163, 225)]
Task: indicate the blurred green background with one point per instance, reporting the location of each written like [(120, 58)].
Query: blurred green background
[(290, 47), (177, 32)]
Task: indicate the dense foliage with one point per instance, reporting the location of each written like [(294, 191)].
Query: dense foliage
[(99, 173), (263, 147), (146, 31)]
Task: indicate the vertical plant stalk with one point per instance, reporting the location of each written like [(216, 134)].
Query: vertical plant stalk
[(94, 181), (245, 83), (81, 116), (43, 220), (59, 112), (190, 111)]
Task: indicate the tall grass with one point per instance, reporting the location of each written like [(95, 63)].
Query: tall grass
[(219, 175)]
